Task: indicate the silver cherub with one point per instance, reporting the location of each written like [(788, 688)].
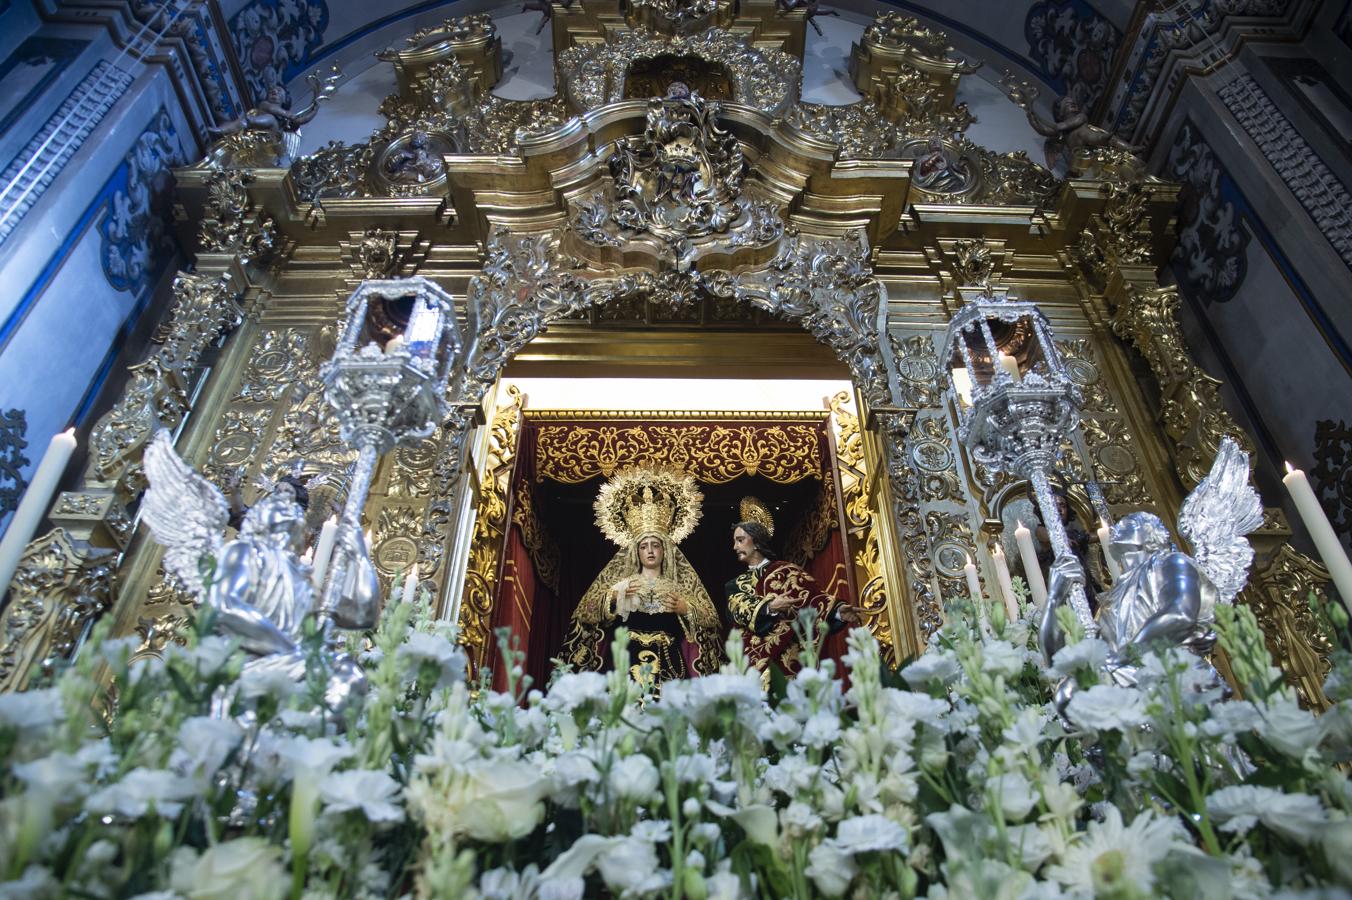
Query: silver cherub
[(1164, 596), (259, 589)]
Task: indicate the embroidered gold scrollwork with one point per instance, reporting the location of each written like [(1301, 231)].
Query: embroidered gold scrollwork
[(784, 453)]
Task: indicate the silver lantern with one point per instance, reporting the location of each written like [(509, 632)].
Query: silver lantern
[(387, 382), (1016, 402)]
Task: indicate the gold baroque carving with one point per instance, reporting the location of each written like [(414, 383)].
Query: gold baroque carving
[(862, 539), (1277, 594), (765, 79), (484, 570), (58, 589), (783, 453), (1192, 413)]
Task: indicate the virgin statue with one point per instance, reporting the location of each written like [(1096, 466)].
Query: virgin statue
[(648, 586)]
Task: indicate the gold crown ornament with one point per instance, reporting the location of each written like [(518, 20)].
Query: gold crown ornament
[(753, 509), (648, 500)]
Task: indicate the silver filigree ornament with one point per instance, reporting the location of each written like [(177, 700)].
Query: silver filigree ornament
[(257, 586), (1016, 402), (680, 187)]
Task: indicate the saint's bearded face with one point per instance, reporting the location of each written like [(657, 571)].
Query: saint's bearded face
[(744, 547), (650, 552)]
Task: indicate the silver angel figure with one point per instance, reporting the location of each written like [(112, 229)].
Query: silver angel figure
[(259, 588), (1164, 596)]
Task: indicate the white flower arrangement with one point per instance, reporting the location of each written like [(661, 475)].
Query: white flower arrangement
[(968, 785)]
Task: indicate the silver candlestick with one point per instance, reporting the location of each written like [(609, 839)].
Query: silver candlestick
[(387, 382), (1016, 402)]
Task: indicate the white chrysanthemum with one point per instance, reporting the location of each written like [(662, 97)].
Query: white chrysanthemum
[(913, 706), (374, 793), (1089, 654), (1234, 717), (1109, 857), (575, 768), (798, 820), (203, 744), (312, 757), (1106, 707), (822, 729), (572, 690), (268, 681), (938, 666), (28, 711), (1288, 728), (696, 768), (65, 776), (1298, 817), (36, 883), (630, 867), (421, 647), (1001, 658), (208, 657), (143, 790), (780, 729), (871, 834)]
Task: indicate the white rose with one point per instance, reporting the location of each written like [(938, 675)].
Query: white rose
[(244, 869), (498, 800), (634, 778), (831, 869)]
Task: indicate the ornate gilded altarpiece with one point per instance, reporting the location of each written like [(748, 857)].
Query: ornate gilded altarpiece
[(629, 214)]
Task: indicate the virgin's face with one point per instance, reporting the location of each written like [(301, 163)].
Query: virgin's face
[(650, 553)]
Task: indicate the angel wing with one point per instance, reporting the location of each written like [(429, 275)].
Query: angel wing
[(186, 513), (1217, 515)]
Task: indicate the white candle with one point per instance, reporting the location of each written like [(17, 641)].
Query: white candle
[(324, 549), (1032, 573), (1010, 365), (34, 504), (973, 582), (1006, 583), (1321, 532), (410, 585), (394, 344), (1105, 537)]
